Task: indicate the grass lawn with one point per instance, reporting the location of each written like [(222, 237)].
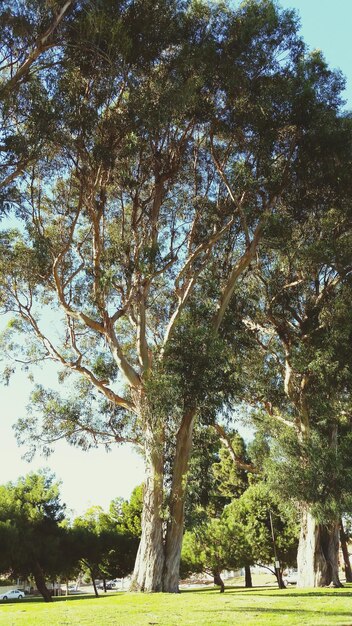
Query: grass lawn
[(204, 607)]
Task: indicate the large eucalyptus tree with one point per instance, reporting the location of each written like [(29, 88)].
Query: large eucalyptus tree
[(178, 131), (301, 371)]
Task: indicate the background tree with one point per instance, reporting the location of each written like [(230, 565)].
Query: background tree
[(242, 536), (220, 470), (249, 521), (180, 132), (30, 514), (104, 550), (300, 323), (211, 548), (107, 543), (127, 514)]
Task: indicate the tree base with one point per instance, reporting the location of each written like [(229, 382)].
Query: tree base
[(317, 558)]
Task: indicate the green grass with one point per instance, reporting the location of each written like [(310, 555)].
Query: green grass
[(205, 607)]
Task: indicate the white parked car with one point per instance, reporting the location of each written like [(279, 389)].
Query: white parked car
[(13, 594)]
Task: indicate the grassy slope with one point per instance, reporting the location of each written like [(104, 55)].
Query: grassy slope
[(325, 607)]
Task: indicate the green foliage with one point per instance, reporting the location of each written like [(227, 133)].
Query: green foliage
[(106, 543), (139, 93), (30, 518), (200, 362), (314, 472), (211, 547), (83, 419), (214, 478), (249, 520), (129, 518), (230, 480), (242, 535), (203, 499)]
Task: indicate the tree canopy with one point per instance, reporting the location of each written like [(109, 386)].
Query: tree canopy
[(29, 525)]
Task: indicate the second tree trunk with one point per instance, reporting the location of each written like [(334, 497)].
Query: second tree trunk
[(317, 557)]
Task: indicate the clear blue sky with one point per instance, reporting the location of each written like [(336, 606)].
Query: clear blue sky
[(326, 25), (96, 477)]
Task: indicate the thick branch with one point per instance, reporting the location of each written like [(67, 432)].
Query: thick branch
[(274, 413), (16, 172), (75, 365), (125, 367), (181, 304), (226, 441), (43, 43), (78, 315), (142, 344), (237, 270)]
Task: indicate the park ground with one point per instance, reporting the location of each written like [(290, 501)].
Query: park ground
[(202, 607)]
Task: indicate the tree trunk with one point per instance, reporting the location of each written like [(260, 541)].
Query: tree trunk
[(174, 534), (317, 557), (148, 569), (40, 582), (346, 556), (219, 581), (93, 581), (278, 575), (247, 577), (333, 544)]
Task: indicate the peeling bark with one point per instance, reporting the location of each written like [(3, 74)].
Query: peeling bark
[(174, 534), (148, 569), (317, 557), (332, 538), (346, 556)]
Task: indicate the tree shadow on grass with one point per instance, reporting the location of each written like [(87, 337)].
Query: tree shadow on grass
[(271, 610), (344, 592), (88, 597), (32, 599), (231, 588)]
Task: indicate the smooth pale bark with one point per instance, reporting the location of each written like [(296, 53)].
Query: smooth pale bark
[(346, 556), (40, 582), (317, 558), (149, 565), (218, 580), (174, 534), (247, 577)]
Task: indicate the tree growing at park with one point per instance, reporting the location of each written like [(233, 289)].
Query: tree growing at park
[(242, 536), (302, 330), (255, 517), (127, 514), (180, 130), (104, 548), (30, 514), (209, 549)]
